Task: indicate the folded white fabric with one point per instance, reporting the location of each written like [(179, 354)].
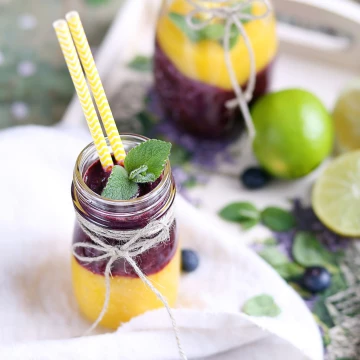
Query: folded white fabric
[(38, 314)]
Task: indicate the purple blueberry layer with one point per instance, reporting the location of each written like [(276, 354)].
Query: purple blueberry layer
[(150, 262), (196, 107)]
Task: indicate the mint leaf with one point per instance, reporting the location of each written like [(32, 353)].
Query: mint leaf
[(180, 22), (234, 31), (212, 32), (240, 211), (234, 36), (289, 270), (261, 305), (280, 262), (320, 309), (308, 251), (326, 334), (273, 256), (209, 32), (119, 186), (140, 175), (140, 178), (137, 171), (248, 224), (303, 293), (152, 154), (270, 241), (141, 63), (277, 219), (243, 213)]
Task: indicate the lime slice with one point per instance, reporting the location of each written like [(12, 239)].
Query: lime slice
[(336, 195), (347, 119)]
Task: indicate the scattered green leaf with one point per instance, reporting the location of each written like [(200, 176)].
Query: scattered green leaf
[(96, 2), (151, 153), (270, 241), (248, 224), (119, 186), (179, 155), (289, 270), (308, 251), (141, 63), (240, 211), (190, 183), (277, 219), (302, 292), (280, 262), (261, 305), (146, 120), (273, 256), (338, 284), (326, 333), (322, 312)]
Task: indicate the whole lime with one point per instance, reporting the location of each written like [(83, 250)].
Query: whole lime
[(294, 132)]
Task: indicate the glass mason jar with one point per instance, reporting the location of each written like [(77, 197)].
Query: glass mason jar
[(129, 295), (191, 78)]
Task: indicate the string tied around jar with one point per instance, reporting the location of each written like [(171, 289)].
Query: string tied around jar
[(233, 14), (131, 243)]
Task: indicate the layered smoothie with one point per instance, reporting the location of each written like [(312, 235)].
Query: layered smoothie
[(191, 78), (129, 295)]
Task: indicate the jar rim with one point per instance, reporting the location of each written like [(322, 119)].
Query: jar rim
[(90, 150)]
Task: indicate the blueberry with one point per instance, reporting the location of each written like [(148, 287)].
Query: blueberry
[(255, 178), (189, 260), (316, 279)]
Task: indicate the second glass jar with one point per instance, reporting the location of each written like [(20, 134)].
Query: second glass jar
[(191, 78)]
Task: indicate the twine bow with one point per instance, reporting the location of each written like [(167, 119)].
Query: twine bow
[(233, 15), (131, 244)]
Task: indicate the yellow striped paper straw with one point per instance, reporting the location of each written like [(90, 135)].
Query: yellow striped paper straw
[(82, 90), (92, 74)]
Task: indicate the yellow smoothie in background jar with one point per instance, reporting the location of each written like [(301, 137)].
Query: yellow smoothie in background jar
[(129, 295), (191, 78)]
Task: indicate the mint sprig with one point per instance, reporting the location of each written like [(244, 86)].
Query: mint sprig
[(119, 186), (144, 163), (152, 154)]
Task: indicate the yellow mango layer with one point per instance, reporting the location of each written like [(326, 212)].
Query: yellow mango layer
[(129, 296), (204, 61)]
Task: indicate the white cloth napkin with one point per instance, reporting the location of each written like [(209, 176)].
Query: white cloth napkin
[(38, 314)]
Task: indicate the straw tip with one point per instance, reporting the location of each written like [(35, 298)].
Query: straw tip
[(71, 14), (59, 23)]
